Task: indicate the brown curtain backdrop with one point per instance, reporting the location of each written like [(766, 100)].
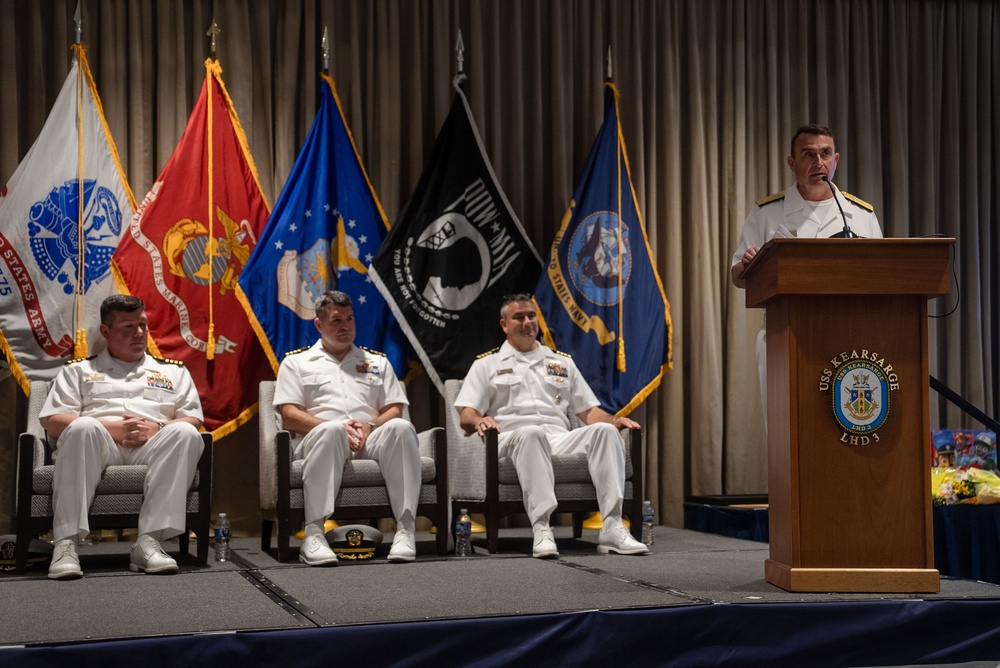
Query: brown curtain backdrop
[(711, 91)]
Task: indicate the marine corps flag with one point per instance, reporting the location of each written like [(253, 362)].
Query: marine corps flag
[(323, 232), (455, 250), (600, 297), (61, 216), (184, 252)]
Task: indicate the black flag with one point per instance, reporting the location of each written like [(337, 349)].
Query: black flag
[(454, 251)]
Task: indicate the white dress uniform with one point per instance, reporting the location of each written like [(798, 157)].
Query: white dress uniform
[(806, 220), (530, 396), (357, 387), (103, 389)]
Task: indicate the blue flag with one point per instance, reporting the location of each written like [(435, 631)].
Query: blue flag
[(600, 298), (324, 231)]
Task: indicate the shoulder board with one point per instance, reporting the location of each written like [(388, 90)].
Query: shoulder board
[(488, 352), (559, 352), (297, 350), (857, 200), (163, 360), (776, 197), (373, 352), (80, 359)]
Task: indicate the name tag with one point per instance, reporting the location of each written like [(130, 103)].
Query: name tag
[(501, 372)]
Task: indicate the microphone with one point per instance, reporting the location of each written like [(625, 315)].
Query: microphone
[(847, 232)]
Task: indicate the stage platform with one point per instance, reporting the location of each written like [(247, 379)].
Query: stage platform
[(698, 599)]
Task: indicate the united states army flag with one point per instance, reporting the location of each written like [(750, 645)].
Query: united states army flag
[(61, 216)]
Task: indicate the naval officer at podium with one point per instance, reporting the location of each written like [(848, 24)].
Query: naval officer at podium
[(812, 207)]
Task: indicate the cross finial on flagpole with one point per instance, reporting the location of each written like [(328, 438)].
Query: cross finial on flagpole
[(460, 51), (609, 62), (78, 20), (326, 52), (213, 31)]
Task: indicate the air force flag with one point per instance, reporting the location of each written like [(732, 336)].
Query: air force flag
[(325, 228), (455, 250)]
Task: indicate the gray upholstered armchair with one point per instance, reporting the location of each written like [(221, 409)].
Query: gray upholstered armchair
[(483, 482), (117, 500), (362, 492)]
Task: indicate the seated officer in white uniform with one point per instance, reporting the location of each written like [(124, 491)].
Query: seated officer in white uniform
[(122, 407), (345, 402), (810, 208), (525, 390)]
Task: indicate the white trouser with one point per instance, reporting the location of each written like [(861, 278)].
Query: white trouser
[(325, 450), (761, 350), (85, 449), (531, 450)]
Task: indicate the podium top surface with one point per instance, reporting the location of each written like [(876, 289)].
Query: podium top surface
[(849, 267)]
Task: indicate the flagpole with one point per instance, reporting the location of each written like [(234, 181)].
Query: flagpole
[(80, 345), (78, 20), (210, 250), (325, 43), (620, 360)]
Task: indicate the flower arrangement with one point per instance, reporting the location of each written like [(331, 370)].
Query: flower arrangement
[(964, 485)]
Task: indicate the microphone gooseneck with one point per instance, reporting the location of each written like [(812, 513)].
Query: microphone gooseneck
[(847, 232)]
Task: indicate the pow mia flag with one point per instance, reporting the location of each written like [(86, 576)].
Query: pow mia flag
[(455, 250)]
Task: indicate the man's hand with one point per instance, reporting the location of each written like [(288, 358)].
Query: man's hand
[(597, 414), (738, 268), (749, 255), (357, 434), (135, 431), (624, 423), (485, 423), (473, 422)]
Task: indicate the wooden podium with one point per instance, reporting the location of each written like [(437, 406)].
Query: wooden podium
[(847, 410)]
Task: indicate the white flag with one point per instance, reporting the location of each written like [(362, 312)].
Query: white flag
[(54, 273)]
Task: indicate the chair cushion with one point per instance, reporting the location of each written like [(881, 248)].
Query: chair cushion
[(350, 497), (364, 473), (567, 469), (567, 491), (106, 504), (126, 479)]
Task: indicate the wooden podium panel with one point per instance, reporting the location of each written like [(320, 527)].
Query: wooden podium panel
[(848, 512)]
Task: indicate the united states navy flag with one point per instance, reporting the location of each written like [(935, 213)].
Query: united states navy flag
[(455, 250), (600, 297), (323, 232)]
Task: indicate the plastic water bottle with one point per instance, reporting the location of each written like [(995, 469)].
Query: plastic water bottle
[(648, 520), (463, 534), (222, 533)]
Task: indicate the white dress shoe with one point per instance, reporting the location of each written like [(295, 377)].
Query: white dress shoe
[(315, 551), (404, 546), (618, 539), (149, 557), (65, 562), (544, 545)]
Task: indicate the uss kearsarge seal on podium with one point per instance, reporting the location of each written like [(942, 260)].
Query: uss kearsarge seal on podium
[(860, 386)]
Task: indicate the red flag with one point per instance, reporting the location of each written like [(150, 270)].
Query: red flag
[(184, 262)]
